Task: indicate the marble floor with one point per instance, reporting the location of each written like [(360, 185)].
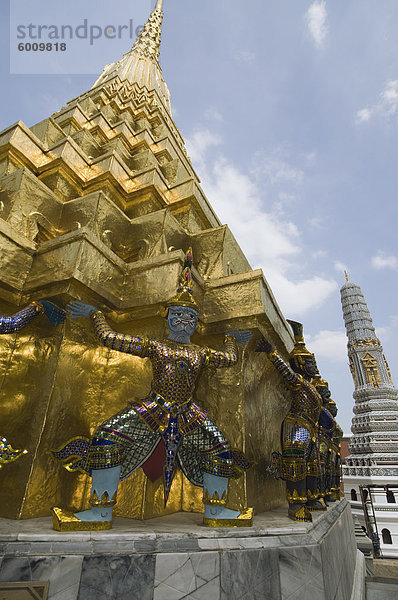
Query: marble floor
[(176, 557), (274, 522), (381, 590)]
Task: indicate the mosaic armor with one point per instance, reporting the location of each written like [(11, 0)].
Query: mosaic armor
[(21, 319), (168, 414), (299, 428), (298, 464)]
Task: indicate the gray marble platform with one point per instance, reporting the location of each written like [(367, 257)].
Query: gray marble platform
[(382, 589), (176, 557)]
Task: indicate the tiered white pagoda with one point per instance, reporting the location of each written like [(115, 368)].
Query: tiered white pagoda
[(373, 458)]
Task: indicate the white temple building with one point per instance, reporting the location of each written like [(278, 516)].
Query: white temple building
[(373, 458)]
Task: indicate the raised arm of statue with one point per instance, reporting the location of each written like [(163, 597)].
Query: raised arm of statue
[(22, 318), (229, 356), (138, 346), (292, 379), (226, 358)]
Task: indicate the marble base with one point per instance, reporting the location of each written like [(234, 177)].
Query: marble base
[(379, 589), (176, 557)]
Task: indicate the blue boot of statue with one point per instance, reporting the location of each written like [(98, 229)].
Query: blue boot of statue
[(215, 494), (102, 500)]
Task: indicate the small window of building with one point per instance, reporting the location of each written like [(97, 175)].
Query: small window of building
[(354, 495), (386, 536), (390, 497), (365, 494)]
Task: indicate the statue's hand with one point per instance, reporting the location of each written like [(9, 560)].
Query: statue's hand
[(264, 346), (78, 309), (54, 313), (242, 336)]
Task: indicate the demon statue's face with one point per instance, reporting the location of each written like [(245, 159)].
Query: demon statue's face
[(325, 394), (181, 321), (305, 365), (309, 367)]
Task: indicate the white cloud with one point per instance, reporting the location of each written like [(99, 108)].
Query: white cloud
[(297, 298), (386, 332), (319, 254), (364, 115), (286, 198), (282, 206), (276, 168), (386, 106), (268, 240), (389, 98), (382, 332), (340, 267), (394, 320), (236, 199), (384, 261), (245, 56), (198, 145), (316, 17), (331, 345), (212, 114), (311, 158), (317, 222)]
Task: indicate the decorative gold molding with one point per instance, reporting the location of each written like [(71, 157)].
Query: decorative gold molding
[(372, 373), (364, 342)]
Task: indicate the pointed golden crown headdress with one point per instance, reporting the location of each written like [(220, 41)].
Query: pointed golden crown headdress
[(299, 352), (299, 346), (184, 296)]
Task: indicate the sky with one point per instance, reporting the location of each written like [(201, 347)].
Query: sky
[(289, 109)]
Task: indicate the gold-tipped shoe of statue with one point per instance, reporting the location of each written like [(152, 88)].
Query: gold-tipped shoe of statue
[(315, 505), (245, 519), (336, 493), (300, 514), (65, 520)]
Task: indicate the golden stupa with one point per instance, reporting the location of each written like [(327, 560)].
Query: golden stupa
[(98, 202)]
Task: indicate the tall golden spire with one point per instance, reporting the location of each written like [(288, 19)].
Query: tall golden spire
[(147, 44), (141, 64)]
